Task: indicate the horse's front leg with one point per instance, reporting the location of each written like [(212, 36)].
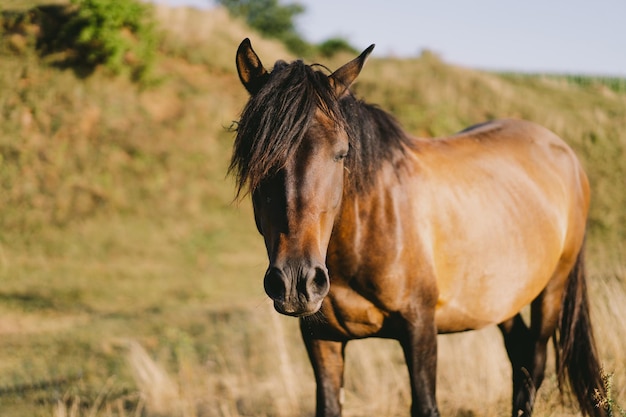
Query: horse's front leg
[(327, 359), (419, 342)]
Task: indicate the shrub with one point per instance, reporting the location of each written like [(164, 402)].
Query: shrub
[(120, 34), (272, 19), (332, 46)]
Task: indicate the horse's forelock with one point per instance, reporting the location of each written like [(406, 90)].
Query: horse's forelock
[(275, 120)]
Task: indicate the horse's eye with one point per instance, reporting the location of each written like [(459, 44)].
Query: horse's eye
[(340, 156)]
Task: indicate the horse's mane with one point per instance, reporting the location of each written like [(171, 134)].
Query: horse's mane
[(375, 136), (275, 120)]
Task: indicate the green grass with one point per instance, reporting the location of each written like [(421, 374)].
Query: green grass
[(123, 258), (614, 84), (28, 4)]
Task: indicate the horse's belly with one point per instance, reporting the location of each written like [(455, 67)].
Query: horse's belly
[(483, 300), (450, 319), (491, 269), (453, 317)]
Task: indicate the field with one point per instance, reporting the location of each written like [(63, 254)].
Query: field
[(132, 280)]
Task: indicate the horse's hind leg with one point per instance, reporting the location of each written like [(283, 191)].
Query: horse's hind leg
[(527, 348), (519, 347)]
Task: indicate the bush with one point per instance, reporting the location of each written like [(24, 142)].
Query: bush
[(332, 46), (120, 34), (272, 19)]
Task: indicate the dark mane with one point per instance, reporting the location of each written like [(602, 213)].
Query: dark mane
[(375, 137), (275, 120)]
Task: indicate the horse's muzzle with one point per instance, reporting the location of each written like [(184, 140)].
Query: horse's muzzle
[(298, 291)]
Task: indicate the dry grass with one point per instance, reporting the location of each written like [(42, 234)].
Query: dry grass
[(268, 375), (214, 32)]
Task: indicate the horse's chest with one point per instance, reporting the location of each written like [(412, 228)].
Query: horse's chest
[(351, 314)]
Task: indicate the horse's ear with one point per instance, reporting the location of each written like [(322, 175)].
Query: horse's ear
[(345, 76), (251, 72)]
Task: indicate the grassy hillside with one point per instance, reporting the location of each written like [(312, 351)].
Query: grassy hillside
[(131, 282)]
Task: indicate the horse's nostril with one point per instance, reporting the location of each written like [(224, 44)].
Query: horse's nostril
[(319, 284), (274, 284)]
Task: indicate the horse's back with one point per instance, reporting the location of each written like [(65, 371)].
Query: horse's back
[(505, 156), (506, 203), (539, 153)]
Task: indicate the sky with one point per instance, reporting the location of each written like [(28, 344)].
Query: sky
[(559, 36)]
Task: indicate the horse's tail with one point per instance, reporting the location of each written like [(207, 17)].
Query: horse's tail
[(575, 347)]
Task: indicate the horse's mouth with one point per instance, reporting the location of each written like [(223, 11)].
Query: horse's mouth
[(297, 309)]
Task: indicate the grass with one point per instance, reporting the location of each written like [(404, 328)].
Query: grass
[(129, 275)]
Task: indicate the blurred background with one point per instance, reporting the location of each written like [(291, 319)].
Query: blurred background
[(131, 278), (533, 36)]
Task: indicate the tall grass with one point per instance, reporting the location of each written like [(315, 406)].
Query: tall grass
[(213, 36), (615, 84), (257, 366)]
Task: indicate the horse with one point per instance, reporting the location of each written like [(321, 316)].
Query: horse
[(371, 232)]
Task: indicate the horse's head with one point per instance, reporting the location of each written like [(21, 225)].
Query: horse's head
[(290, 149)]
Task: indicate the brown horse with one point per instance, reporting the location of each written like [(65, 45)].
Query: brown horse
[(372, 232)]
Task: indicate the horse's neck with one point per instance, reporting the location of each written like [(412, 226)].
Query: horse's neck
[(368, 219)]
